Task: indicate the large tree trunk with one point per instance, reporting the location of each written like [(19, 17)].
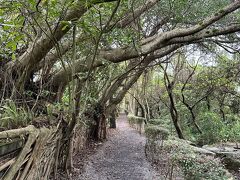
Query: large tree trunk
[(46, 150), (39, 155), (175, 117), (169, 85), (98, 125), (113, 119)]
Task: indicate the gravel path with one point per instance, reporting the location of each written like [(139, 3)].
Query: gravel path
[(122, 157)]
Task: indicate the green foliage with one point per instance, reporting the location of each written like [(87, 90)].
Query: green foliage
[(212, 92), (135, 120), (13, 116), (202, 167), (215, 130), (155, 132), (55, 108), (212, 127), (155, 121), (195, 165), (232, 132), (166, 122)]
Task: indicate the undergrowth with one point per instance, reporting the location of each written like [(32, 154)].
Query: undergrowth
[(12, 116)]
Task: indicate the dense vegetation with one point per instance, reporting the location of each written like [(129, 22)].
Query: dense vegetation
[(65, 67), (205, 98)]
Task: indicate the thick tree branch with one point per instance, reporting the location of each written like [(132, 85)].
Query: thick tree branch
[(39, 49), (153, 43), (64, 76), (53, 56), (208, 33), (131, 16), (197, 28)]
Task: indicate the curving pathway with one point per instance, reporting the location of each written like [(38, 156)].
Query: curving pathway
[(122, 157)]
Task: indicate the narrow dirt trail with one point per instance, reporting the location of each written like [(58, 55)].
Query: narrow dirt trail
[(122, 157)]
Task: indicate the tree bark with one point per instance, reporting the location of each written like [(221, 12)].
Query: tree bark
[(38, 157), (172, 108), (174, 115), (113, 120), (96, 116)]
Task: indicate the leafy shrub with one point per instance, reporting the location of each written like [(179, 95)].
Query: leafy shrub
[(212, 128), (231, 118), (135, 119), (233, 131), (201, 167), (136, 122), (154, 132), (13, 117), (155, 121), (215, 130), (192, 163), (164, 121)]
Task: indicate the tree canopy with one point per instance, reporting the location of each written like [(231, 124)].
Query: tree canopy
[(79, 59)]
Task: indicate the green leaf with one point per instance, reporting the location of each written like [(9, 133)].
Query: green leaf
[(12, 45), (13, 56)]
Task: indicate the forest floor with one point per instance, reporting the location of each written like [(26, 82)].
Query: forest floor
[(121, 157)]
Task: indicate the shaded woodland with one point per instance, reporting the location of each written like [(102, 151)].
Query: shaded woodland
[(68, 67)]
